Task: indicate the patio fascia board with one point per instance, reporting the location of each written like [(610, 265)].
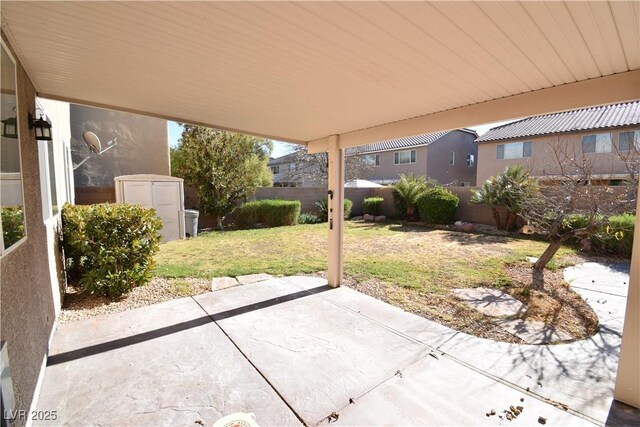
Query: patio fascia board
[(610, 89)]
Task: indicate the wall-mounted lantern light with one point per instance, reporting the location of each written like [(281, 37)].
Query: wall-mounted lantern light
[(10, 126), (42, 127)]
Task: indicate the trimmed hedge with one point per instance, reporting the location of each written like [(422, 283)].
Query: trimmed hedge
[(373, 205), (438, 206), (110, 246), (269, 212)]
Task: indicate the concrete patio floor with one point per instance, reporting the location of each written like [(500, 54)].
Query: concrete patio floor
[(292, 351)]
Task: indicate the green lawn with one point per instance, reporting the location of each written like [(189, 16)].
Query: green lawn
[(410, 257)]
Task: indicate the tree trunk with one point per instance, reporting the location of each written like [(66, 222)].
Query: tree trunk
[(496, 218), (538, 267), (411, 213), (510, 221), (219, 224)]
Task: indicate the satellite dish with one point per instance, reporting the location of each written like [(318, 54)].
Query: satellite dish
[(92, 141)]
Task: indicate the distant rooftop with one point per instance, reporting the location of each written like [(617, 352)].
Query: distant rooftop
[(395, 144), (608, 116)]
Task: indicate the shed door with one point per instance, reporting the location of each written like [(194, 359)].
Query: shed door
[(138, 193), (166, 202)]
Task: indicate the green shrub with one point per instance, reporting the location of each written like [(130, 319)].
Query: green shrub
[(323, 209), (110, 246), (618, 236), (308, 218), (12, 224), (574, 222), (272, 213), (348, 204), (438, 206), (373, 205)]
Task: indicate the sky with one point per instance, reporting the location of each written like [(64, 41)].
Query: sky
[(282, 148)]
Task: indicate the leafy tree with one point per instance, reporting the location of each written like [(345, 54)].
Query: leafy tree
[(409, 190), (223, 167), (508, 190)]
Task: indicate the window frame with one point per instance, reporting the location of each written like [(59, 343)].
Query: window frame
[(374, 163), (635, 140), (5, 251), (501, 150), (595, 146), (413, 156), (470, 160), (452, 158), (275, 169)]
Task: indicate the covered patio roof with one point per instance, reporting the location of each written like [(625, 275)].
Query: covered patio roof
[(300, 72), (337, 75)]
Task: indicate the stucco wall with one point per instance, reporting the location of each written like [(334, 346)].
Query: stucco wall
[(27, 314), (387, 170), (139, 137), (542, 160), (438, 153)]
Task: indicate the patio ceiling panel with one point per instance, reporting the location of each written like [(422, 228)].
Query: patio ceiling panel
[(303, 71)]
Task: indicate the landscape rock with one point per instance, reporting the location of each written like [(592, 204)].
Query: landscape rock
[(533, 332), (356, 218), (368, 217), (379, 218), (253, 278), (491, 302), (219, 283)]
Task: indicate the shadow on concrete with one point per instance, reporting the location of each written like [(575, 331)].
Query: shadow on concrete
[(622, 415), (178, 327)]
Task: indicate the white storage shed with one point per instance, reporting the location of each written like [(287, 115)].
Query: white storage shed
[(165, 194)]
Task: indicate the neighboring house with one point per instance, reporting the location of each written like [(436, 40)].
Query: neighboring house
[(448, 157), (138, 137), (606, 137), (284, 171)]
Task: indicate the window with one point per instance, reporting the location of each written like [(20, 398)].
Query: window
[(372, 159), (404, 157), (275, 169), (597, 143), (513, 150), (292, 166), (12, 227), (471, 160), (452, 158), (628, 140)]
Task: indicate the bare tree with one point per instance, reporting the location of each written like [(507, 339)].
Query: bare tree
[(576, 202), (314, 168)]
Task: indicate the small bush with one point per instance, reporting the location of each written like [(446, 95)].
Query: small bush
[(438, 206), (308, 218), (618, 237), (110, 246), (323, 209), (12, 224), (373, 205), (348, 204), (272, 213)]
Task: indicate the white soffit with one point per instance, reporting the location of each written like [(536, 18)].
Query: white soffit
[(302, 71)]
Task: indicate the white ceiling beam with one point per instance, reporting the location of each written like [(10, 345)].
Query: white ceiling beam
[(611, 89)]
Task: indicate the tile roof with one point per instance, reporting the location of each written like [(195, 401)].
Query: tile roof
[(607, 116), (394, 144)]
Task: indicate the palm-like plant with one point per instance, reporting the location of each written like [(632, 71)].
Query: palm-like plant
[(508, 190), (409, 189)]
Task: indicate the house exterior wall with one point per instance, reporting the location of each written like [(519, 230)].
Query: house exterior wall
[(539, 164), (28, 313), (139, 137), (388, 171), (438, 167)]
